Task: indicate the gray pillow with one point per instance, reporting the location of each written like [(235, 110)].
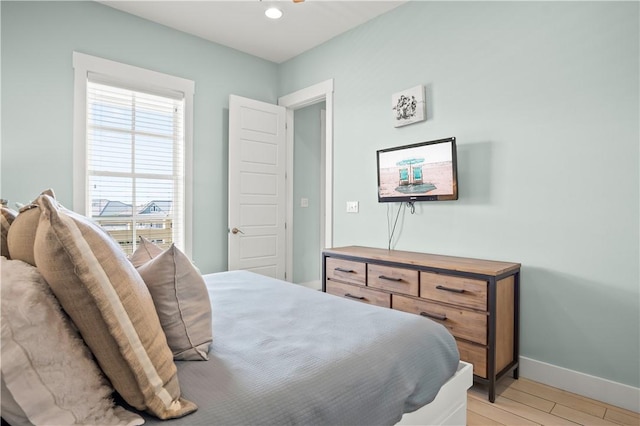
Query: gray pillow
[(145, 251), (182, 302)]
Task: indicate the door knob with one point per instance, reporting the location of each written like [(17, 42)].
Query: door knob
[(236, 230)]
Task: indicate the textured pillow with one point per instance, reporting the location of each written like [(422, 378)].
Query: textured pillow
[(111, 306), (11, 411), (23, 231), (6, 219), (182, 303), (48, 374), (145, 251)]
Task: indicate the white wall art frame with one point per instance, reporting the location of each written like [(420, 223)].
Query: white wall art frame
[(408, 106)]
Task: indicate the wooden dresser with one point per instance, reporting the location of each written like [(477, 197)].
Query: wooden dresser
[(477, 300)]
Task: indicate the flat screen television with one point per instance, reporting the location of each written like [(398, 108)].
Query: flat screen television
[(424, 171)]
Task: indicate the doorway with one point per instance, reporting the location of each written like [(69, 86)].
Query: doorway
[(308, 194), (318, 93)]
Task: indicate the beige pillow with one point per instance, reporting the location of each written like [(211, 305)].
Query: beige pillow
[(182, 303), (6, 219), (39, 346), (112, 308), (145, 251), (23, 231)]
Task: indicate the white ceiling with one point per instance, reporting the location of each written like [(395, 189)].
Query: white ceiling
[(242, 25)]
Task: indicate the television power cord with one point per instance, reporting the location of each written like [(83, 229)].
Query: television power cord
[(409, 204)]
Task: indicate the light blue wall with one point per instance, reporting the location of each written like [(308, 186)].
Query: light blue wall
[(38, 39), (543, 99), (306, 184)]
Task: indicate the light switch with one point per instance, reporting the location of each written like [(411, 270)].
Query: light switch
[(352, 207), (304, 202)]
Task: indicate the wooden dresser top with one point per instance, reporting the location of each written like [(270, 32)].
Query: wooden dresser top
[(461, 264)]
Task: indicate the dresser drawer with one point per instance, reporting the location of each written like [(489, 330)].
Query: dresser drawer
[(361, 294), (455, 290), (346, 271), (474, 354), (462, 323), (400, 280)]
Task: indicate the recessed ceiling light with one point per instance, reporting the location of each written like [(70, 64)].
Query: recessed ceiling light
[(273, 13)]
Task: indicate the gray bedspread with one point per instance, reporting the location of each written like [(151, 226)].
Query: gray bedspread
[(286, 355)]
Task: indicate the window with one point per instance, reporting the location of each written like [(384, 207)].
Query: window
[(132, 150)]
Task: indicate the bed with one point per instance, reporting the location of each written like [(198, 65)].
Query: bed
[(283, 355), (276, 353)]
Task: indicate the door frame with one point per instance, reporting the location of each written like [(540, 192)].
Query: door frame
[(319, 92)]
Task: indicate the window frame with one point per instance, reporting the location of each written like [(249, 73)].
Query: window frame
[(140, 79)]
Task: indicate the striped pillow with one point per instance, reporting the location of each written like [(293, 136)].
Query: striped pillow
[(109, 303), (6, 219)]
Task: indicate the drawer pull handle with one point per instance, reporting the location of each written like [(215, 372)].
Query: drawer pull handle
[(453, 290), (348, 271), (354, 297), (441, 317), (384, 277)]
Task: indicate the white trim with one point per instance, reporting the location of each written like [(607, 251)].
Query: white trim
[(79, 134), (307, 96), (188, 171), (143, 79), (604, 390), (304, 97), (328, 157), (323, 184), (288, 267), (313, 285), (129, 74)]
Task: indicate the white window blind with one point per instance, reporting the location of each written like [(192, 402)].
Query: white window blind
[(135, 163)]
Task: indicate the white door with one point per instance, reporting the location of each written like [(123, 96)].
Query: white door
[(257, 187)]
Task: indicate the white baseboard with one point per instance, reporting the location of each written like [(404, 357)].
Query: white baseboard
[(314, 285), (604, 390)]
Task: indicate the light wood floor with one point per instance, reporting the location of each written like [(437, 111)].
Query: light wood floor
[(525, 402)]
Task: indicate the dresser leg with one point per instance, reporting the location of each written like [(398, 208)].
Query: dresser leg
[(492, 391), (516, 373)]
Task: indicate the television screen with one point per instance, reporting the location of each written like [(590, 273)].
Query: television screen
[(425, 171)]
